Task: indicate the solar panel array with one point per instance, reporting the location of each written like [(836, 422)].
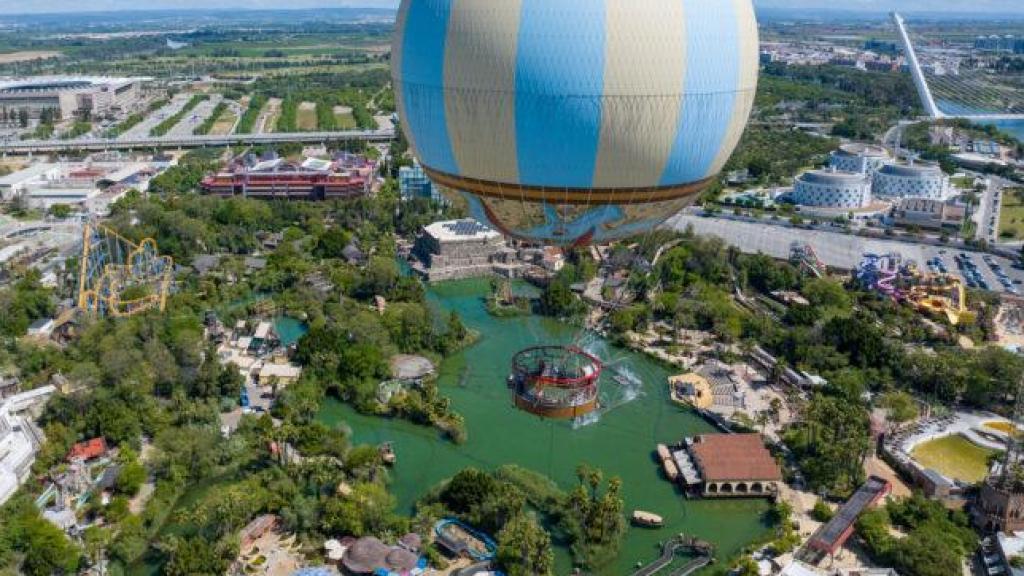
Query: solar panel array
[(466, 228)]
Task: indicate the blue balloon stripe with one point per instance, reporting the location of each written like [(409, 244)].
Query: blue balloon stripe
[(559, 87), (709, 88), (423, 48)]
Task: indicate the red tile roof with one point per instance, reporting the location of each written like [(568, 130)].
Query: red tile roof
[(725, 457), (89, 449)]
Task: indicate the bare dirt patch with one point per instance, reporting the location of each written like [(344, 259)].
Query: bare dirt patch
[(27, 56)]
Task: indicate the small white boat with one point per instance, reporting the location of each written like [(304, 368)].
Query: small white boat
[(647, 519), (387, 453)]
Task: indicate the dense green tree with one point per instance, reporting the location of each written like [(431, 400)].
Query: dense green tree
[(524, 547), (45, 549), (831, 443), (937, 540), (131, 478), (24, 302), (332, 243), (594, 518), (368, 510), (200, 557)]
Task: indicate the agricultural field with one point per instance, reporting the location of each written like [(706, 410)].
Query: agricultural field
[(305, 119), (27, 56), (225, 123), (305, 73), (267, 121), (344, 119)]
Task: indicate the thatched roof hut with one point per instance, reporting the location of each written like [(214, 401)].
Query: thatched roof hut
[(365, 555)]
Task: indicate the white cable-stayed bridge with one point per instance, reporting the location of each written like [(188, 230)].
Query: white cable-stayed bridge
[(955, 93)]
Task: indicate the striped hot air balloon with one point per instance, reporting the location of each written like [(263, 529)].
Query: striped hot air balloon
[(571, 121)]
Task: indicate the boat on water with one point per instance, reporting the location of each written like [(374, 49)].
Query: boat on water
[(387, 453), (647, 519), (462, 540), (667, 462), (663, 452)]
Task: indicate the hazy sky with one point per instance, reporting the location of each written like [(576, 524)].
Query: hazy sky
[(15, 6)]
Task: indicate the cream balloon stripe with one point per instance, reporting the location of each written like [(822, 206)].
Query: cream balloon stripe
[(481, 50), (645, 53), (746, 23), (709, 89), (575, 94)]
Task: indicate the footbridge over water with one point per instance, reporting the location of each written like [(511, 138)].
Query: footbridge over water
[(970, 93), (702, 552)]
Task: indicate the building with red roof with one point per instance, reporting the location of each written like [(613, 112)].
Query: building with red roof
[(730, 465), (88, 450)]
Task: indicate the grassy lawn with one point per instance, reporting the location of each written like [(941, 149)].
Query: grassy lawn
[(305, 118), (273, 111), (224, 123), (344, 118), (956, 457), (1004, 427), (1011, 220), (965, 183)]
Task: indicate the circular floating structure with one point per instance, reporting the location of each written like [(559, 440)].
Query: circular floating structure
[(555, 381)]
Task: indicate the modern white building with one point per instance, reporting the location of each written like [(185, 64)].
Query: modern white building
[(862, 158), (70, 96), (832, 189), (913, 181), (20, 440)]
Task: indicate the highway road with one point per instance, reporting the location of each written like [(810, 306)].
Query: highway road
[(188, 141)]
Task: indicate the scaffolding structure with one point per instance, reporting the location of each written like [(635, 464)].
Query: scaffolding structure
[(120, 278)]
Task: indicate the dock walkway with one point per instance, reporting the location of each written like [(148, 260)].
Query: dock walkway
[(668, 554)]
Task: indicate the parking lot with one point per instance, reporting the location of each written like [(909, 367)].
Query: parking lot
[(986, 272), (845, 252), (198, 115), (142, 129)]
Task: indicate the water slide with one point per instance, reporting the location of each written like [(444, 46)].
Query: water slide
[(886, 282)]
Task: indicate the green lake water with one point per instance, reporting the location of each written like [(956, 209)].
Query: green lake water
[(289, 329), (620, 441)]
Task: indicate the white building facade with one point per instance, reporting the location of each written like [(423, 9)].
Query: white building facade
[(833, 189), (20, 440), (70, 96), (862, 158), (916, 181)]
